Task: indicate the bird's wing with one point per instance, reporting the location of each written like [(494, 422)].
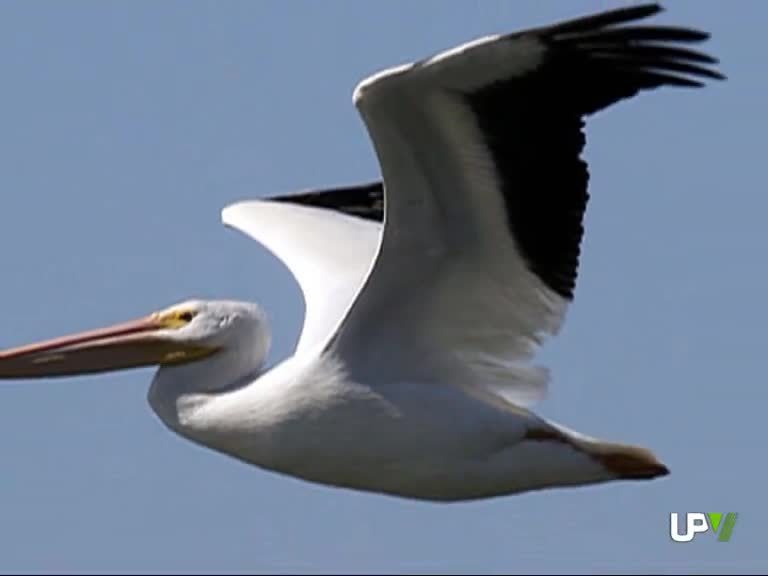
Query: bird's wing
[(485, 192), (326, 238)]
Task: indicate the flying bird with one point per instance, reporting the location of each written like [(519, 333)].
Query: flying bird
[(426, 292)]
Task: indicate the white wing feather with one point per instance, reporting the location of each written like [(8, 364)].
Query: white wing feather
[(449, 299), (329, 253)]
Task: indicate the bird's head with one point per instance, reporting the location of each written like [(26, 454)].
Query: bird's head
[(177, 335)]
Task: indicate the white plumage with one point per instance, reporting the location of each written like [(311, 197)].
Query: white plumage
[(426, 293)]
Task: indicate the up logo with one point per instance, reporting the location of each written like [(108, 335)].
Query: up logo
[(700, 522)]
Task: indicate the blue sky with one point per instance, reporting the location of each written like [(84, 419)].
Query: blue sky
[(125, 127)]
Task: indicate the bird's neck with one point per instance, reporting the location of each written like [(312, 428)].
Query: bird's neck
[(176, 391)]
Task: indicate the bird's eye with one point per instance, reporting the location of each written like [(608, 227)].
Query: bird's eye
[(187, 316)]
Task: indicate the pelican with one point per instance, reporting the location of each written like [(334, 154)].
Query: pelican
[(426, 293)]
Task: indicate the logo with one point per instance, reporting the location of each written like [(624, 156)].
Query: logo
[(700, 522)]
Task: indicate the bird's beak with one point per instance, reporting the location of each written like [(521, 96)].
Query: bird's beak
[(143, 342)]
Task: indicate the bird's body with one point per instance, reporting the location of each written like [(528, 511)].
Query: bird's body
[(426, 293), (307, 419)]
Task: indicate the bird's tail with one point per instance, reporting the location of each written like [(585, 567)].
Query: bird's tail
[(623, 461)]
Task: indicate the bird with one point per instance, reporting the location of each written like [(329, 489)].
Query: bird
[(426, 292)]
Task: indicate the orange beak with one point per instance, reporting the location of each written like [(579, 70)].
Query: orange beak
[(133, 344)]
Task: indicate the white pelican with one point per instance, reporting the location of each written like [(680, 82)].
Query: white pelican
[(427, 293)]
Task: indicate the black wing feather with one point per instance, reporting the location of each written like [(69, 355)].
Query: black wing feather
[(533, 123), (361, 200)]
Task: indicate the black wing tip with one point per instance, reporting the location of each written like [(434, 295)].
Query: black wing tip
[(655, 51), (607, 18), (308, 194), (363, 200)]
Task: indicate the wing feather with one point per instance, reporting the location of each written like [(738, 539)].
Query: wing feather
[(485, 191), (328, 250)]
